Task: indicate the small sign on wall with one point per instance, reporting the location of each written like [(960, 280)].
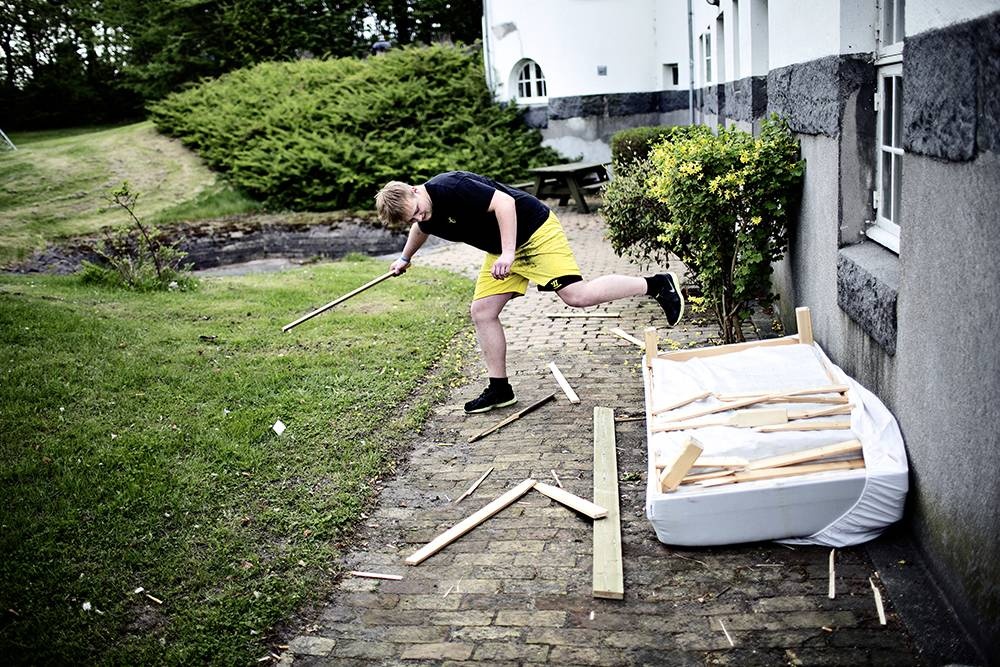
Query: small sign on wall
[(602, 70)]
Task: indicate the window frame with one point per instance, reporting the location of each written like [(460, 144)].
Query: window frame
[(537, 86)]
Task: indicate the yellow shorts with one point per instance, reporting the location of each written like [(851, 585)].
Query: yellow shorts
[(543, 258)]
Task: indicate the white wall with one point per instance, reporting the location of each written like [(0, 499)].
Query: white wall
[(923, 15), (570, 39)]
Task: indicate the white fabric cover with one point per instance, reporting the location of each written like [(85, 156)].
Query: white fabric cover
[(846, 516)]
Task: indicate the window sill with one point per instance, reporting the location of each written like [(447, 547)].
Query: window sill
[(867, 290)]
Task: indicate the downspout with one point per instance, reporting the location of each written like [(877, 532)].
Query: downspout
[(690, 64), (487, 51)]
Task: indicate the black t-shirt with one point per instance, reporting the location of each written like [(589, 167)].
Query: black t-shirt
[(459, 210)]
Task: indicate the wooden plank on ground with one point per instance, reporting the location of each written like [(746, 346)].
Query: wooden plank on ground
[(470, 522), (793, 458), (561, 379), (513, 417), (621, 333), (683, 459), (569, 500), (475, 485), (609, 575), (787, 471)]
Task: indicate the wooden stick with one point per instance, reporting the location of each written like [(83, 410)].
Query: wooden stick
[(821, 412), (556, 477), (741, 419), (726, 406), (690, 479), (878, 602), (788, 471), (682, 402), (474, 486), (831, 400), (608, 572), (831, 591), (376, 575), (470, 522), (684, 355), (561, 379), (723, 625), (333, 303), (803, 321), (584, 314), (651, 342), (632, 339), (513, 417), (715, 462), (573, 502), (847, 447), (672, 474), (824, 389), (801, 425)]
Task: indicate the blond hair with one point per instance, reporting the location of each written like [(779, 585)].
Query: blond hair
[(391, 201)]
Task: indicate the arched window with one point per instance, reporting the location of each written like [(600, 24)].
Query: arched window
[(531, 82)]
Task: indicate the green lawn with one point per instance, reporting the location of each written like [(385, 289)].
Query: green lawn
[(55, 185), (136, 452)]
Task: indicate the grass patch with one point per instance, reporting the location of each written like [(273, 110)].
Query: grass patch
[(54, 186), (137, 452)]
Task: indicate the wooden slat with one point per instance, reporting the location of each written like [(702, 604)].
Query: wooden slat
[(475, 485), (715, 462), (782, 394), (682, 402), (697, 477), (803, 320), (741, 419), (609, 576), (375, 575), (513, 417), (352, 293), (674, 471), (821, 412), (651, 342), (683, 355), (802, 425), (788, 471), (838, 449), (573, 502), (561, 380), (621, 333), (470, 522)]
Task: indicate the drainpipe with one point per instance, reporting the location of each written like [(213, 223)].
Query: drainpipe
[(690, 64)]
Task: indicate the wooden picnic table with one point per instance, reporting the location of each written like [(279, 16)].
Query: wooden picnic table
[(570, 180)]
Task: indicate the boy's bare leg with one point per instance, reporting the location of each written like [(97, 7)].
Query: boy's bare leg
[(601, 290), (489, 331)]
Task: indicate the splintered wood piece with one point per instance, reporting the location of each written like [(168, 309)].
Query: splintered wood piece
[(682, 402), (652, 341), (788, 471), (781, 394), (621, 333), (513, 417), (821, 412), (323, 309), (475, 485), (573, 502), (846, 447), (375, 575), (697, 477), (801, 425), (830, 400), (803, 320), (608, 573), (741, 419), (561, 379), (878, 602), (831, 591), (683, 458), (684, 355), (470, 522)]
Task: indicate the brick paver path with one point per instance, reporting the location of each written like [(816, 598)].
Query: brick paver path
[(517, 589)]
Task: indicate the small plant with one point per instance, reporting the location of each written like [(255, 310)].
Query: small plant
[(137, 257), (722, 204)]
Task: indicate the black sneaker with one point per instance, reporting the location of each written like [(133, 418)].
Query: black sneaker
[(670, 299), (491, 398)]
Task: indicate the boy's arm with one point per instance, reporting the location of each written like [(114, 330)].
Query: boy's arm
[(502, 205), (414, 240)]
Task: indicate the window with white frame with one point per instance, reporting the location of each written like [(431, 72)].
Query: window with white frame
[(706, 54), (886, 199), (531, 83)]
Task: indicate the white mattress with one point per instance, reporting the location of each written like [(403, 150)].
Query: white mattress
[(832, 508)]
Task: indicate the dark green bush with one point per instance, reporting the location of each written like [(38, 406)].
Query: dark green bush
[(634, 144), (327, 134)]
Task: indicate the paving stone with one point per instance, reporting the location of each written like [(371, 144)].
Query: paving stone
[(311, 645), (450, 651)]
